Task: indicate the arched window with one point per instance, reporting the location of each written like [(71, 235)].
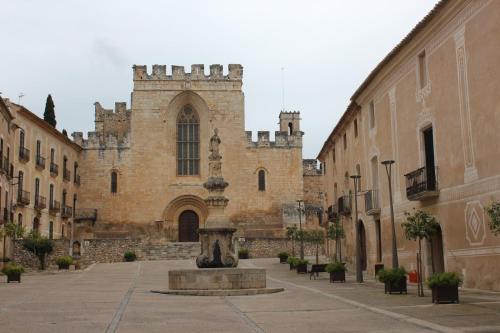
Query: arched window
[(188, 142), (114, 182), (262, 180), (21, 139)]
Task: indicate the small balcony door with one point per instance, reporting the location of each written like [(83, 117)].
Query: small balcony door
[(430, 165)]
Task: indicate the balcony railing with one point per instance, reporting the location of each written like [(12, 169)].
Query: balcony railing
[(40, 162), (372, 206), (24, 154), (54, 169), (23, 198), (54, 207), (333, 213), (77, 180), (66, 211), (66, 175), (82, 214), (344, 203), (40, 202), (421, 184)]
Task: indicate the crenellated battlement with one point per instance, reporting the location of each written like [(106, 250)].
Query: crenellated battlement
[(96, 141), (282, 140), (177, 73), (311, 167)]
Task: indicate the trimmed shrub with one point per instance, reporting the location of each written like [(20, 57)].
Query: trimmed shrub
[(129, 256)]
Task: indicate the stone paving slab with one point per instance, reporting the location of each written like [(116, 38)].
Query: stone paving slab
[(117, 298)]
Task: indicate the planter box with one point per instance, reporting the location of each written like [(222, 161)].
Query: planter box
[(396, 287), (337, 276), (445, 294), (243, 255), (14, 277), (292, 266), (63, 266), (283, 260), (302, 269)]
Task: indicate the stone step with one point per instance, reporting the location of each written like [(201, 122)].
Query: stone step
[(171, 251)]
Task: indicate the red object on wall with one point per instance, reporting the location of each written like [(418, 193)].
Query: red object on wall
[(413, 277)]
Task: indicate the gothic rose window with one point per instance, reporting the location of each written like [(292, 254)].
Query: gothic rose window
[(188, 142)]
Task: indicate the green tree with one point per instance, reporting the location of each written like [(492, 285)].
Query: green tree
[(419, 225), (291, 234), (493, 211), (336, 232), (316, 237), (39, 245), (13, 231), (49, 115)]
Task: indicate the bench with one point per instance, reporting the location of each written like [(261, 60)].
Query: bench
[(316, 269)]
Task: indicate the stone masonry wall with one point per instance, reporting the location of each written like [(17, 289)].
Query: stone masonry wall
[(109, 250), (270, 247), (30, 262)]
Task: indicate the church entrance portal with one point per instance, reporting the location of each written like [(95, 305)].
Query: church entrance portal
[(188, 226)]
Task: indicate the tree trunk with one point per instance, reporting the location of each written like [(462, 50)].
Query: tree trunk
[(419, 269), (4, 248), (317, 253)]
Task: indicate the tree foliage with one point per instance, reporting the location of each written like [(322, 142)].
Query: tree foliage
[(419, 225), (49, 115), (493, 212)]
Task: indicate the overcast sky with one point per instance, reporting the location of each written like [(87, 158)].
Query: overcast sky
[(83, 51)]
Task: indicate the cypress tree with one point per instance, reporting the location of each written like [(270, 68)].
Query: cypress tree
[(49, 114)]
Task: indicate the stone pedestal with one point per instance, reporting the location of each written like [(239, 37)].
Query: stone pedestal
[(221, 237)]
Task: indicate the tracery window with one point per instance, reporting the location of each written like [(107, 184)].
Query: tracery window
[(188, 142)]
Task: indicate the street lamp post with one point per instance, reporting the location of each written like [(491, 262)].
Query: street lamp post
[(359, 268), (388, 169), (300, 230)]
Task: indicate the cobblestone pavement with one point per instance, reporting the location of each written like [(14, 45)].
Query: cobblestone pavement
[(117, 298)]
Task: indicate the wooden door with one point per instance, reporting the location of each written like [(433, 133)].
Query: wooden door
[(188, 226)]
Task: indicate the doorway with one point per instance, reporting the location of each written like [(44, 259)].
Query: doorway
[(188, 226), (362, 245), (437, 252)]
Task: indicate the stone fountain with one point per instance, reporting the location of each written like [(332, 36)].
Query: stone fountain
[(217, 274)]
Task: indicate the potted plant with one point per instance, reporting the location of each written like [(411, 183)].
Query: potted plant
[(302, 266), (316, 237), (419, 225), (243, 253), (283, 257), (13, 271), (444, 287), (394, 280), (336, 232), (129, 256), (64, 262), (337, 271), (292, 261)]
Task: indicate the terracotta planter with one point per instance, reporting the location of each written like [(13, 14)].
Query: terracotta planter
[(445, 294), (396, 286), (14, 277), (337, 276), (302, 269)]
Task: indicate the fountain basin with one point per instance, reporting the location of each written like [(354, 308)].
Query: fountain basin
[(217, 279)]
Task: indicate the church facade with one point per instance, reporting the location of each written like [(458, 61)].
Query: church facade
[(142, 169)]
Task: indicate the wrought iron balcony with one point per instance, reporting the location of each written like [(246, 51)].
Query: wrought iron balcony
[(77, 180), (333, 213), (54, 207), (23, 198), (40, 202), (54, 169), (24, 154), (372, 206), (421, 184), (66, 211), (66, 175), (40, 162), (344, 204), (88, 214)]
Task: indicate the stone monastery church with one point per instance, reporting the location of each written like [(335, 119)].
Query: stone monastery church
[(142, 169)]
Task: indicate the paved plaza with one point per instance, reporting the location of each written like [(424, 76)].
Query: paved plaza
[(117, 298)]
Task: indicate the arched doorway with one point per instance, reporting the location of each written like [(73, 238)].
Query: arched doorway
[(362, 245), (188, 226), (437, 253)]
